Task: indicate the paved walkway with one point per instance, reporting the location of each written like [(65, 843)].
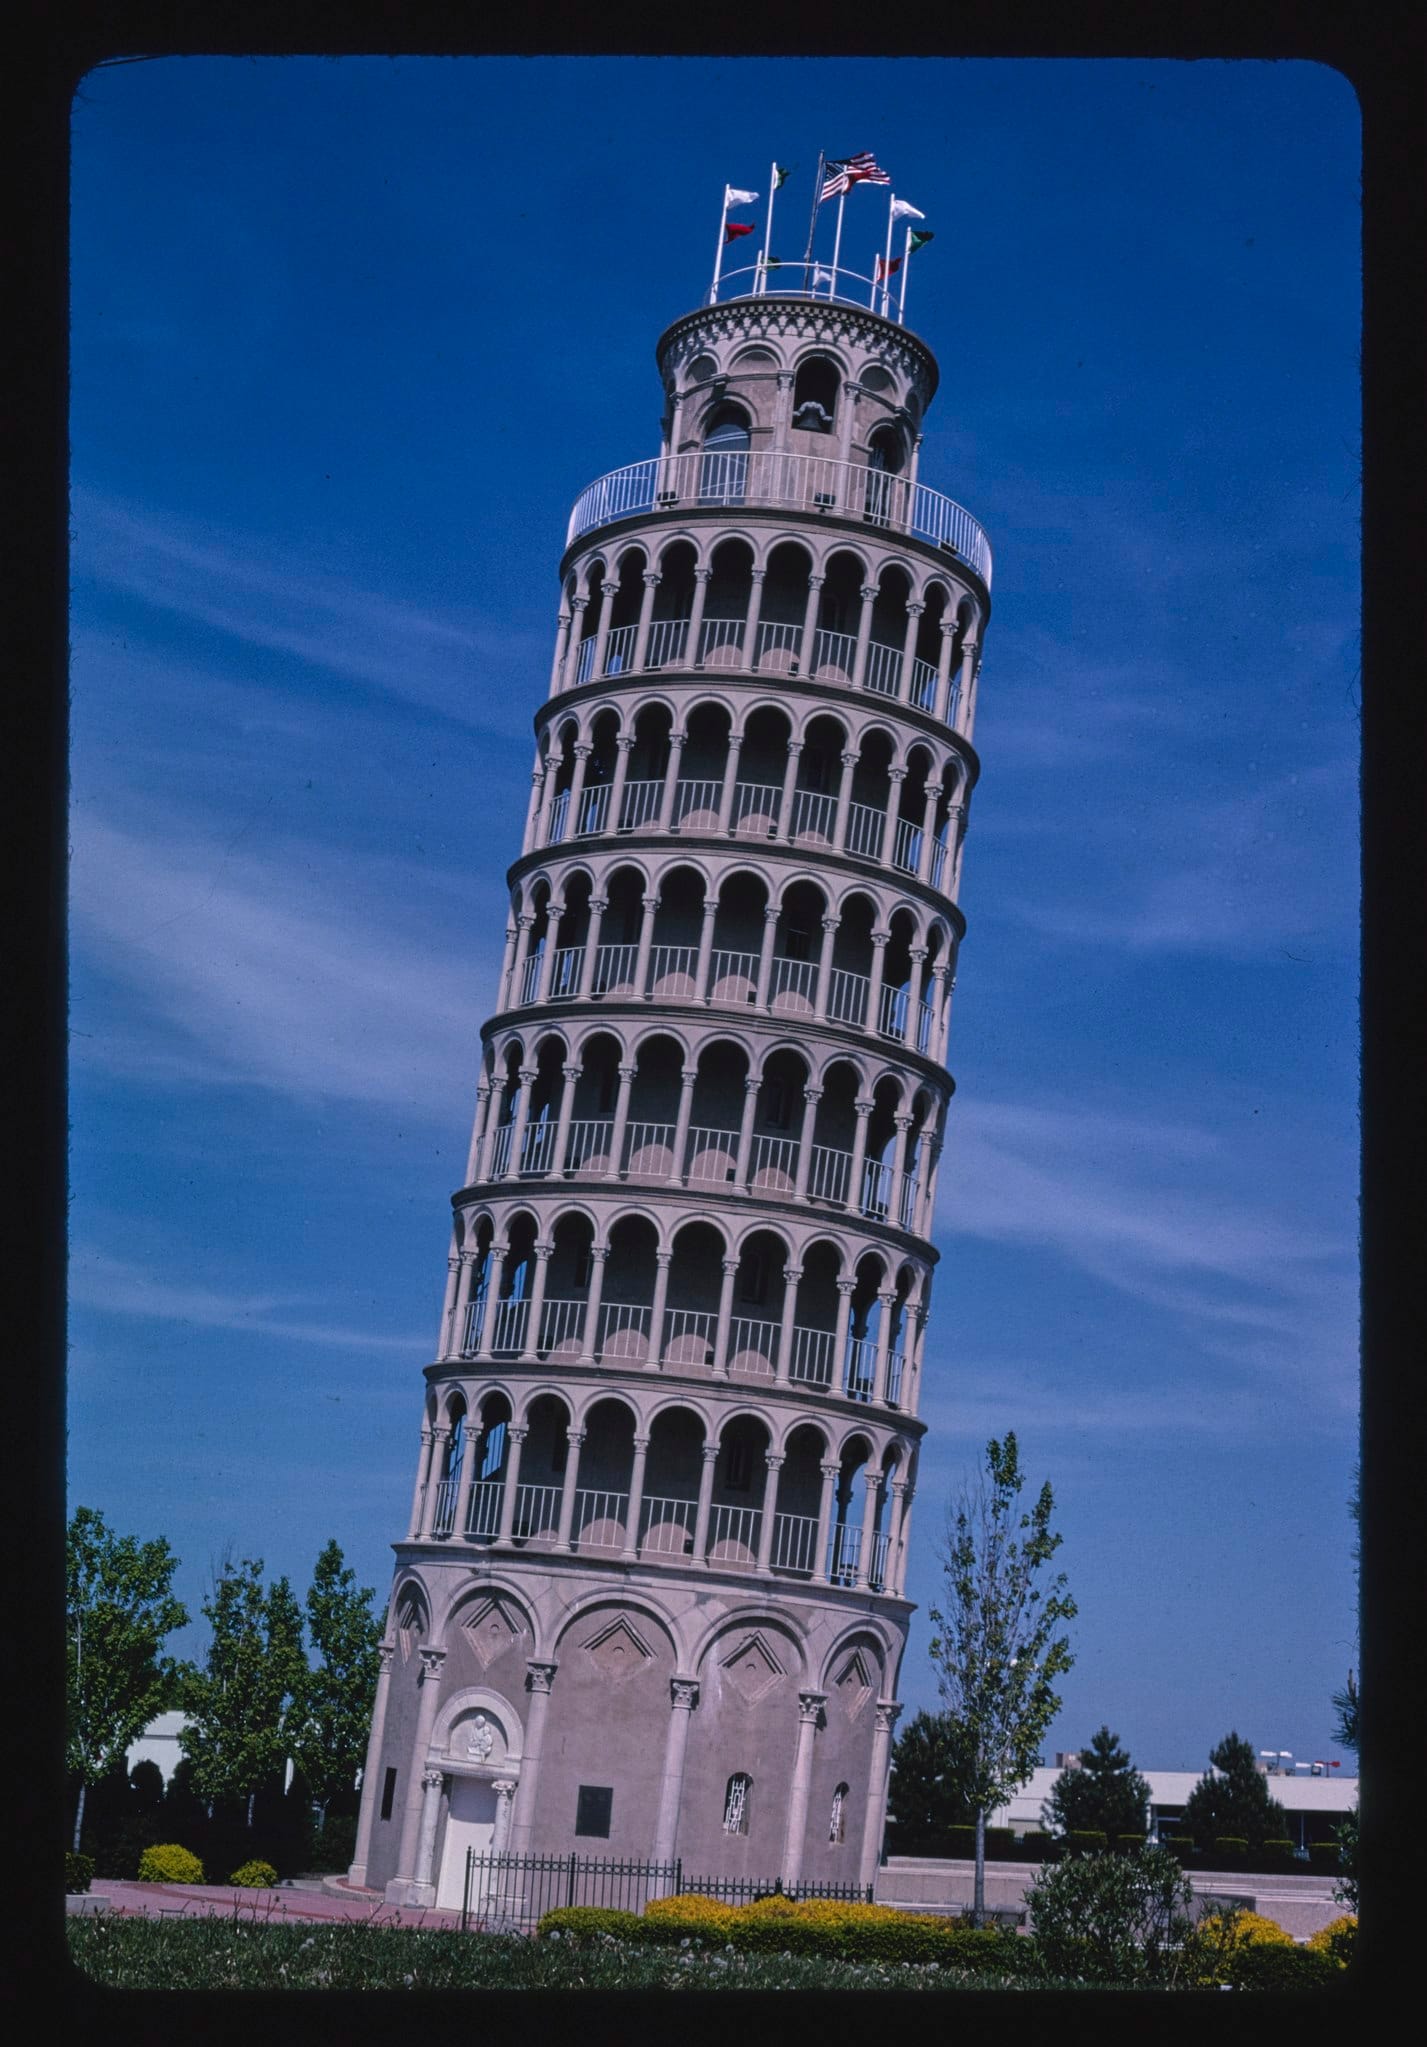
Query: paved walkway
[(285, 1904)]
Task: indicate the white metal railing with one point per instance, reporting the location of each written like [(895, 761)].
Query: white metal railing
[(847, 996), (924, 684), (722, 636), (924, 1026), (712, 1155), (844, 1546), (812, 1356), (585, 659), (444, 1512), (752, 1344), (666, 1525), (483, 1514), (896, 1366), (643, 1139), (907, 845), (755, 807), (624, 1330), (876, 1189), (537, 1511), (594, 811), (733, 976), (510, 1319), (795, 1542), (530, 977), (865, 826), (614, 968), (599, 1518), (907, 1202), (471, 1334), (884, 668), (834, 653), (500, 1157), (619, 649), (830, 1173), (812, 483), (938, 866), (565, 973), (589, 1143), (537, 1147), (559, 810), (693, 798), (814, 814), (859, 1368), (689, 1336), (641, 803), (672, 963), (794, 981), (777, 639), (775, 1156), (667, 639), (732, 1530), (877, 1562), (892, 1012), (561, 1322)]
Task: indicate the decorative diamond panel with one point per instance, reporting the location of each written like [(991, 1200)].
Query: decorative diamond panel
[(752, 1669), (854, 1685), (617, 1652), (490, 1631)]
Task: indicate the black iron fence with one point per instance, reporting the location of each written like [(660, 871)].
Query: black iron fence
[(516, 1891)]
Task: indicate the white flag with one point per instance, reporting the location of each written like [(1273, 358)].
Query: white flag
[(733, 197), (820, 276), (901, 211)]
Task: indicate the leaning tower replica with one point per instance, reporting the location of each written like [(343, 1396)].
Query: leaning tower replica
[(650, 1602)]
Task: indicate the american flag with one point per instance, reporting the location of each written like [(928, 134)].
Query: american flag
[(841, 174)]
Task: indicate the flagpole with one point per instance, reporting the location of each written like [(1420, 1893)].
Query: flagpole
[(813, 223), (872, 301), (718, 253), (761, 283), (906, 266), (836, 245), (887, 259)]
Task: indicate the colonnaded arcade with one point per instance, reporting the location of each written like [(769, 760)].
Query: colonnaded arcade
[(651, 1598)]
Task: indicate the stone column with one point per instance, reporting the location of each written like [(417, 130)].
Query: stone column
[(684, 1697), (923, 1178), (621, 1122), (440, 1437), (469, 1466), (495, 1273), (955, 845), (599, 1258), (765, 957), (583, 754), (730, 778), (504, 1789), (687, 1077), (862, 1108), (623, 748), (872, 1482), (909, 652), (554, 917), (578, 607), (371, 1789), (894, 1535), (652, 580), (791, 1276), (849, 761), (725, 1316), (433, 1783), (896, 776), (880, 942), (696, 617), (911, 1030), (636, 1499), (507, 960), (709, 1454), (887, 1300), (782, 411), (423, 1463), (598, 906), (830, 1475), (571, 1076), (478, 1129), (530, 1349), (492, 1130), (541, 1677), (525, 923), (808, 643), (705, 953), (553, 764), (902, 1124), (427, 1700), (515, 1438), (941, 701), (751, 1086), (609, 591), (650, 908), (671, 779), (662, 1261), (811, 1097), (928, 845), (446, 1340), (750, 623), (532, 815), (766, 1512), (938, 1005), (846, 1288), (875, 1814), (784, 829), (563, 1543), (810, 1705), (831, 927), (868, 594), (905, 1533), (846, 420)]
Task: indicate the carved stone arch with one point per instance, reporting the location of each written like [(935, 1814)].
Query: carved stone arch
[(551, 1389), (585, 571), (642, 1612), (637, 1211), (716, 1033), (819, 1234), (705, 699), (683, 1403), (677, 858), (783, 1642), (584, 1034), (751, 705), (467, 1597), (937, 579), (855, 1432), (581, 1210), (511, 1213), (584, 1399), (546, 1035), (676, 1029), (900, 1079), (864, 1630), (411, 1610), (760, 1226), (790, 1420), (836, 352), (478, 1725), (745, 1409), (684, 536), (910, 569), (807, 878), (652, 700), (637, 864)]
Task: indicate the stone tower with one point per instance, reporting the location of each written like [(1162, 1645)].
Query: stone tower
[(650, 1602)]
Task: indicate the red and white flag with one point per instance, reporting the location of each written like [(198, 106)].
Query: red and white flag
[(840, 174)]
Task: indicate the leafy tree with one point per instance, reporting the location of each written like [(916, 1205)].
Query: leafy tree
[(930, 1788), (1107, 1792), (238, 1732), (1233, 1801), (1115, 1919), (119, 1607), (997, 1651), (333, 1713)]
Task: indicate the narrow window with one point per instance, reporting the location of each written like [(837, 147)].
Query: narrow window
[(592, 1810), (388, 1793), (735, 1803), (837, 1823)]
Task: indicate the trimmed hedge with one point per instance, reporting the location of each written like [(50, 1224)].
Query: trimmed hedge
[(169, 1864), (1323, 1855), (254, 1876), (817, 1927), (78, 1871), (1085, 1841)]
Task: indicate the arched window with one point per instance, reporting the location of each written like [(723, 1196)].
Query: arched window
[(723, 474), (838, 1822), (736, 1801), (815, 395), (885, 457)]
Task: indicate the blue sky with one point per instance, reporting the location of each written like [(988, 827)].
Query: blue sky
[(348, 339)]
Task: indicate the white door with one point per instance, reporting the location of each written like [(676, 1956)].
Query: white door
[(470, 1823)]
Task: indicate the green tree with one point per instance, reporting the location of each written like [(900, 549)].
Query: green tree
[(332, 1716), (930, 1787), (239, 1703), (119, 1609), (1115, 1919), (997, 1649), (1232, 1800), (1106, 1792)]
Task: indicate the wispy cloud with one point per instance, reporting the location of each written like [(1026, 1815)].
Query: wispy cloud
[(101, 1282)]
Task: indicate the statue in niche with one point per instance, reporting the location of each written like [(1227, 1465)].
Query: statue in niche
[(480, 1739)]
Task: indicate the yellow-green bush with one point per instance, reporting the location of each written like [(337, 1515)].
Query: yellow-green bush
[(170, 1864), (1337, 1939), (254, 1876), (1244, 1929), (825, 1927), (591, 1922)]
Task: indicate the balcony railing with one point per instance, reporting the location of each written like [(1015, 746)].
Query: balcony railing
[(792, 984), (884, 668), (815, 484), (712, 1155), (834, 655), (721, 642), (483, 1514), (624, 1330), (752, 1345), (565, 974), (844, 1546), (667, 636), (755, 808), (689, 1336), (649, 1149), (777, 644), (614, 969), (877, 1563), (562, 1326), (594, 810), (864, 830), (667, 1526), (859, 1367), (641, 804), (896, 1365), (795, 1542), (619, 649), (907, 845), (444, 1512), (814, 815), (924, 684), (589, 1146), (600, 1519), (775, 1164), (696, 804), (733, 976), (847, 996), (830, 1173), (559, 810), (537, 1512), (537, 1148), (812, 1358), (510, 1320), (733, 1535), (671, 970)]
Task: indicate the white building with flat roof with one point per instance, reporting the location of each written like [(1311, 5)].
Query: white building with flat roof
[(1314, 1805)]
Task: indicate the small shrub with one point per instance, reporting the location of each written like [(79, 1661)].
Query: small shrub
[(1264, 1965), (1000, 1844), (1085, 1841), (1323, 1855), (169, 1864), (1230, 1851), (1338, 1940), (1278, 1853), (1034, 1847), (591, 1922), (79, 1871), (1113, 1919), (961, 1844), (254, 1876), (1245, 1929)]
